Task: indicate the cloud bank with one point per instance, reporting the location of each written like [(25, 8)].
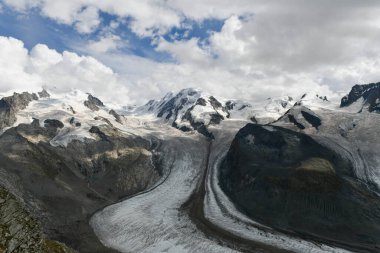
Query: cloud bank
[(43, 67), (264, 48)]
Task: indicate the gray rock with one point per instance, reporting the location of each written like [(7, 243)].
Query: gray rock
[(9, 106), (54, 123), (370, 93), (93, 103), (63, 187), (116, 115), (43, 94), (302, 117), (20, 232), (74, 122)]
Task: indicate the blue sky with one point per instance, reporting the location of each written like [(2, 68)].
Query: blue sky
[(33, 28)]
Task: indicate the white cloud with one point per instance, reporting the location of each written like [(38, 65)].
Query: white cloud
[(106, 43), (22, 5), (42, 58), (226, 40), (13, 62), (185, 51), (44, 67), (140, 79), (87, 20), (148, 16), (265, 48)]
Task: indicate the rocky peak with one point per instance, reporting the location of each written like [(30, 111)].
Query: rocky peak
[(9, 106), (93, 103), (43, 94), (171, 106), (369, 93), (215, 103), (301, 116), (190, 109), (280, 104), (117, 117), (201, 101)]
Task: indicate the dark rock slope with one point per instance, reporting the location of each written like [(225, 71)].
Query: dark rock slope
[(93, 103), (62, 187), (9, 106), (20, 232), (369, 93), (43, 94), (288, 181)]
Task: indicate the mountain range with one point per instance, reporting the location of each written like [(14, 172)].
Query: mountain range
[(190, 172)]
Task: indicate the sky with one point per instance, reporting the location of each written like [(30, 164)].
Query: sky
[(130, 51)]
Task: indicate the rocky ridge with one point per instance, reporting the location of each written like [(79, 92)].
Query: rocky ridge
[(93, 103), (302, 117), (22, 233), (367, 95), (65, 161), (9, 106), (190, 109)]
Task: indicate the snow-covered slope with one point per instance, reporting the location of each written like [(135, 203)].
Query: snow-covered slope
[(76, 111), (272, 108), (64, 156), (314, 100), (192, 109)]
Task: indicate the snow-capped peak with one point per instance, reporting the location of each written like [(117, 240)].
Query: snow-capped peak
[(363, 97), (75, 112)]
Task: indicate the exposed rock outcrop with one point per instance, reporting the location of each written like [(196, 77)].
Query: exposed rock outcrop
[(62, 187), (54, 123), (288, 181), (43, 94), (93, 103), (74, 122), (302, 117), (20, 232), (190, 110), (9, 106), (117, 117), (369, 95)]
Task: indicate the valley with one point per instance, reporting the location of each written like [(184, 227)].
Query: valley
[(195, 173)]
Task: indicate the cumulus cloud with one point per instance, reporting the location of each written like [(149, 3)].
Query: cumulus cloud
[(148, 16), (265, 48), (87, 20), (106, 43), (138, 79), (13, 62), (187, 51), (43, 67)]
